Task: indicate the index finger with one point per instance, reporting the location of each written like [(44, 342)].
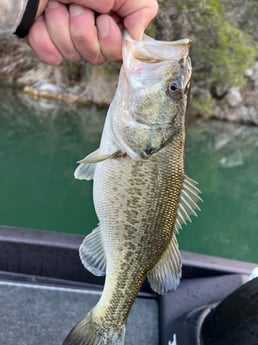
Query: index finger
[(121, 7), (137, 21), (100, 6), (136, 14)]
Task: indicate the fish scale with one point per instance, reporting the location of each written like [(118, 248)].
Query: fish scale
[(156, 224), (141, 194)]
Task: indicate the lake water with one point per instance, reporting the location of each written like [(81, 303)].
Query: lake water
[(40, 143)]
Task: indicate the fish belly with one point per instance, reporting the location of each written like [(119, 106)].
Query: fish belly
[(136, 202)]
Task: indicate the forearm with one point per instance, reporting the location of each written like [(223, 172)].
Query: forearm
[(17, 16)]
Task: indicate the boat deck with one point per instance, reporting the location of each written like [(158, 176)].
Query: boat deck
[(45, 291), (33, 314)]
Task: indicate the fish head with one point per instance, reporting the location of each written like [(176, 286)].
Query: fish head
[(153, 93)]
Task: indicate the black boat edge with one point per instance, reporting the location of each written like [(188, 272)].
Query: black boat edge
[(47, 258)]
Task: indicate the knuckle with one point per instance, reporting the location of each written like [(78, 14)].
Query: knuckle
[(97, 60), (73, 56), (88, 49), (79, 38)]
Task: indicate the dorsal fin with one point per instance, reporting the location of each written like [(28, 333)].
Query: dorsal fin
[(189, 198)]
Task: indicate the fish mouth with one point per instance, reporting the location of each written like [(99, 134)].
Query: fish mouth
[(146, 123), (146, 49)]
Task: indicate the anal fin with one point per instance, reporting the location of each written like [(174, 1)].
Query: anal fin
[(166, 274)]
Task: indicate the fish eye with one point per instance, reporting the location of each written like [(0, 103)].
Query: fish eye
[(174, 87)]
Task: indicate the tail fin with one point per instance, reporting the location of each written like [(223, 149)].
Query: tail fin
[(88, 332)]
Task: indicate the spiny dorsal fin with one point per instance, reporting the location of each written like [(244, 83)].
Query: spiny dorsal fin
[(166, 274), (92, 253), (189, 198)]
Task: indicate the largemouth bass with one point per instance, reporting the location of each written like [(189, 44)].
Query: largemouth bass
[(141, 193)]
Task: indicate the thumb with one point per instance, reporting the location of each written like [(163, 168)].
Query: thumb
[(136, 23), (41, 7)]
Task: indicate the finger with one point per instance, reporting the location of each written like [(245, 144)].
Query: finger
[(84, 34), (110, 37), (57, 21), (137, 21), (137, 13), (100, 6), (42, 44), (41, 7)]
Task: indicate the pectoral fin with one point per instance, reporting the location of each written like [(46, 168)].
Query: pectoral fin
[(86, 169), (92, 253), (96, 157), (166, 274)]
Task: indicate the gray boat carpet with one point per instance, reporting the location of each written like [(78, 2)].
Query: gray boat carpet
[(43, 315)]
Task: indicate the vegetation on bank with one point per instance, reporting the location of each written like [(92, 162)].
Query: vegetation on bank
[(224, 46), (221, 51)]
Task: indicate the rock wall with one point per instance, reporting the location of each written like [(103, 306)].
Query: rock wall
[(234, 98), (240, 104), (69, 82), (224, 34)]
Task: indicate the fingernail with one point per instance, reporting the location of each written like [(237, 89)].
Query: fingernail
[(104, 27), (75, 10), (52, 4)]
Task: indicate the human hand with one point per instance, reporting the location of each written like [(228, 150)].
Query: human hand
[(41, 7), (88, 29)]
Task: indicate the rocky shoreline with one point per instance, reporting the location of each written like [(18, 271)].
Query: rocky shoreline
[(239, 104), (81, 83), (68, 83)]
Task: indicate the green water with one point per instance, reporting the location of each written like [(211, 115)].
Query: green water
[(40, 143), (39, 146)]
